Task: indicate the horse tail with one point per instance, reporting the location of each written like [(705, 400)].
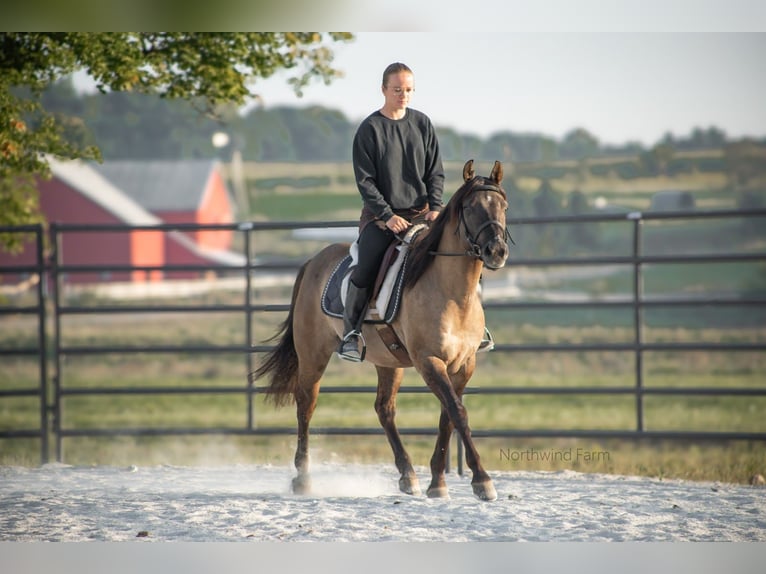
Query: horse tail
[(281, 363)]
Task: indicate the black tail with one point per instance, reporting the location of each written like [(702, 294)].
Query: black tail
[(282, 362)]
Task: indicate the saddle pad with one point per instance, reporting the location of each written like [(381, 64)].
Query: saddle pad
[(389, 298)]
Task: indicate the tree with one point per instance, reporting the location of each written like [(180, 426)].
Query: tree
[(581, 234), (745, 160), (579, 144), (211, 69), (657, 160), (546, 203)]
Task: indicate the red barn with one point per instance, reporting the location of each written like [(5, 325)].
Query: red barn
[(79, 193), (185, 191)]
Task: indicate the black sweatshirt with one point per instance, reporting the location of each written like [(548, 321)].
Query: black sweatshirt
[(397, 163)]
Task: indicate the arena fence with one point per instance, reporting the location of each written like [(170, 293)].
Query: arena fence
[(52, 349)]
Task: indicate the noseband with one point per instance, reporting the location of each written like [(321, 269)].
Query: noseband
[(475, 248)]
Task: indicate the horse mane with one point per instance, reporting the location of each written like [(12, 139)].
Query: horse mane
[(421, 252)]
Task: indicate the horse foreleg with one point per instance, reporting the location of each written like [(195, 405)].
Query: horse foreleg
[(438, 486), (434, 372), (305, 401), (389, 381)]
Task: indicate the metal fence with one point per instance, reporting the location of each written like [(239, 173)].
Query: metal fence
[(52, 349)]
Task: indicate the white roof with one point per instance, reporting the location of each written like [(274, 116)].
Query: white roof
[(80, 176)]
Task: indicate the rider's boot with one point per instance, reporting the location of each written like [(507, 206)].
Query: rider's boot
[(352, 347)]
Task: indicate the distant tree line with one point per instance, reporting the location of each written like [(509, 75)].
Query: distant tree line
[(127, 125)]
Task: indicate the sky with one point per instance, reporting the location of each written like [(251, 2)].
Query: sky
[(621, 87)]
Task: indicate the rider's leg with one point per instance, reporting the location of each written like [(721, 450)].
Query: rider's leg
[(373, 242)]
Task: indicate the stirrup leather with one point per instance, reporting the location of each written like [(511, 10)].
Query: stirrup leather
[(361, 341)]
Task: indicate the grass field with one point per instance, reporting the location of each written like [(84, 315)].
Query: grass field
[(336, 197), (733, 462)]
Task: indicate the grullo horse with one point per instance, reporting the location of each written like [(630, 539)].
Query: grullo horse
[(440, 324)]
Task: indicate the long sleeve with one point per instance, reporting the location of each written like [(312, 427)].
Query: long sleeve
[(366, 172), (434, 178), (397, 164)]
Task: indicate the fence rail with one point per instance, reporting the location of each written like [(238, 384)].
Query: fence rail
[(51, 348)]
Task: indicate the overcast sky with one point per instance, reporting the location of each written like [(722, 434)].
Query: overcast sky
[(619, 86)]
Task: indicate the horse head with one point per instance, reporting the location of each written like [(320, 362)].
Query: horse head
[(482, 214)]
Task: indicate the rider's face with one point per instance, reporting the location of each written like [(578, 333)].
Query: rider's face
[(398, 90)]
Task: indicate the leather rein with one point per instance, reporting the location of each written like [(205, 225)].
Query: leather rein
[(472, 239)]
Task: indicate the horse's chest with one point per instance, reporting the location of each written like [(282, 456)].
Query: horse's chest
[(459, 338)]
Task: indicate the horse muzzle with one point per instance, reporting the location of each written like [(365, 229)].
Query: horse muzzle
[(495, 252)]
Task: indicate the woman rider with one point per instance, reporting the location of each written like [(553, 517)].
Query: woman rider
[(399, 174)]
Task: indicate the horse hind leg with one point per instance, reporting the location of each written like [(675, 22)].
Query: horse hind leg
[(315, 342), (305, 402), (389, 380), (312, 364)]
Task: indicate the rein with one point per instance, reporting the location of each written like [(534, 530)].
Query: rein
[(474, 248)]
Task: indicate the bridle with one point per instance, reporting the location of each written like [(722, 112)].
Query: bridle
[(475, 249)]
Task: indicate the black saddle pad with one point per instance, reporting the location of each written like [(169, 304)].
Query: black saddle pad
[(332, 304)]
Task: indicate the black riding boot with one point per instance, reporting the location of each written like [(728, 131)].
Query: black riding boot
[(352, 347)]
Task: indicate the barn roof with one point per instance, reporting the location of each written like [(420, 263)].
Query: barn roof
[(82, 177), (158, 185), (214, 255), (92, 184)]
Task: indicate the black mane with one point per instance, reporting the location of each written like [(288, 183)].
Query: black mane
[(421, 254)]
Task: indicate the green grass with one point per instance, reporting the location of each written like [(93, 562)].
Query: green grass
[(528, 411), (316, 206), (536, 370)]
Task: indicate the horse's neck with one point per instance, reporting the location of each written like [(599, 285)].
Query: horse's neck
[(458, 275)]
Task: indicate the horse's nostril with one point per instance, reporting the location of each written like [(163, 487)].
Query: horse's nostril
[(495, 254), (496, 248)]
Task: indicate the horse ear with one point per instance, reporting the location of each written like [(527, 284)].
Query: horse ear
[(497, 172), (468, 172)]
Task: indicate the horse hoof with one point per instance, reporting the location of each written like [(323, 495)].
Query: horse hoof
[(410, 485), (437, 492), (485, 491), (302, 484)]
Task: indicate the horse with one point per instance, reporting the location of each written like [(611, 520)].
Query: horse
[(440, 325)]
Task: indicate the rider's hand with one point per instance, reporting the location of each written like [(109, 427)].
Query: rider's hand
[(397, 224)]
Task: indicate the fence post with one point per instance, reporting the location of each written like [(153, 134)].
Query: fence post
[(55, 239), (638, 316), (247, 228), (42, 343)]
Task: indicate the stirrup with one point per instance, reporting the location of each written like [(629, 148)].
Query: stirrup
[(352, 355), (487, 343)]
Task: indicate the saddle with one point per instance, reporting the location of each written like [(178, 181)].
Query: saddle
[(386, 294)]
